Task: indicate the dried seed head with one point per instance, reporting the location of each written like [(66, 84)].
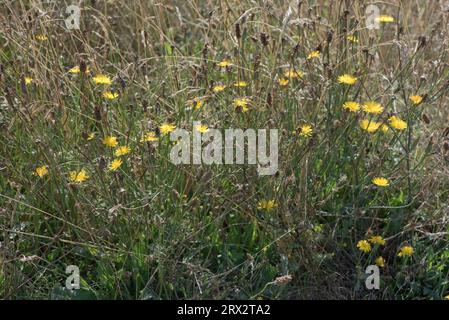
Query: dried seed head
[(83, 67), (330, 35), (256, 62), (238, 32), (264, 39), (97, 113), (101, 163), (269, 100), (283, 280)]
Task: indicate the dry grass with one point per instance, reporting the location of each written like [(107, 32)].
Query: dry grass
[(153, 230)]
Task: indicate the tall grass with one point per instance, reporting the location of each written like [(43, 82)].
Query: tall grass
[(154, 230)]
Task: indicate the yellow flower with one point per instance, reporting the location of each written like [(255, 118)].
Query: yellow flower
[(121, 151), (377, 240), (372, 107), (240, 84), (241, 103), (397, 123), (41, 37), (305, 130), (313, 54), (76, 70), (369, 125), (202, 128), (41, 171), (380, 262), (115, 164), (381, 182), (353, 39), (167, 128), (384, 128), (110, 141), (224, 64), (405, 251), (28, 80), (385, 19), (78, 177), (446, 297), (110, 95), (90, 136), (283, 82), (347, 79), (197, 103), (351, 106), (416, 99), (102, 79), (267, 205), (219, 88), (149, 137), (364, 246), (293, 74)]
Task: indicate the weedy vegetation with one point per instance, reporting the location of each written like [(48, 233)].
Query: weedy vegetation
[(86, 179)]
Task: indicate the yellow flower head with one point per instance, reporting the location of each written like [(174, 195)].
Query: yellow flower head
[(102, 79), (381, 182), (416, 99), (353, 39), (405, 251), (385, 19), (202, 128), (347, 79), (121, 151), (241, 103), (90, 136), (397, 123), (197, 103), (166, 128), (224, 64), (110, 95), (115, 164), (41, 171), (351, 106), (370, 125), (78, 176), (305, 130), (377, 240), (219, 88), (41, 37), (372, 107), (110, 141), (293, 74), (267, 205), (76, 70), (240, 84), (283, 82), (313, 55), (364, 246), (384, 128), (380, 262), (149, 137), (28, 80)]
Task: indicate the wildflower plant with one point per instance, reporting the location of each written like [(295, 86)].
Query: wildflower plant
[(86, 117)]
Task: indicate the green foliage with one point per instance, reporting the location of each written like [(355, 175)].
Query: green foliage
[(154, 230)]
